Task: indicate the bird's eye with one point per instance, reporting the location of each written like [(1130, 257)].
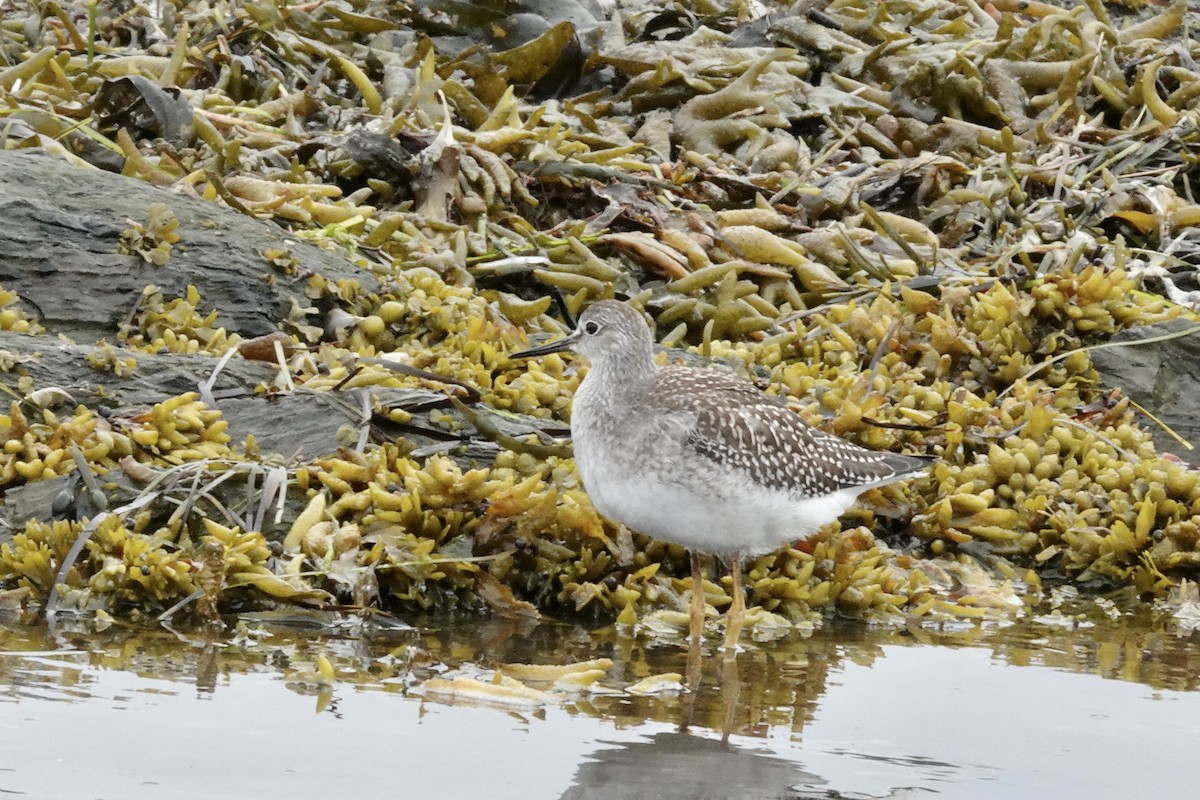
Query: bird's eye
[(591, 328)]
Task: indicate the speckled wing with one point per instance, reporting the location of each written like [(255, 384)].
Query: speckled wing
[(740, 428)]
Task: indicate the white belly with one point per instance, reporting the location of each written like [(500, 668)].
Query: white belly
[(738, 518)]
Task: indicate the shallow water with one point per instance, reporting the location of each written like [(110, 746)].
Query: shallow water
[(1041, 708)]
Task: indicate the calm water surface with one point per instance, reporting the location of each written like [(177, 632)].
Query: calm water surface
[(1031, 710)]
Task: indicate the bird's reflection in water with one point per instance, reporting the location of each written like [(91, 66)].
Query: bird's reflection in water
[(731, 687), (671, 765), (680, 764)]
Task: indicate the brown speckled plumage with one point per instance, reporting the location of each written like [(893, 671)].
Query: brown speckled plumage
[(738, 426)]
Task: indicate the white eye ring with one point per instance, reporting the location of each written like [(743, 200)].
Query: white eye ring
[(591, 328)]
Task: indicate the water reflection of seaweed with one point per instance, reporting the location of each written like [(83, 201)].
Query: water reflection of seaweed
[(781, 682)]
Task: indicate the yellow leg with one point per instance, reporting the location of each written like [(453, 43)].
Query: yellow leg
[(737, 610)]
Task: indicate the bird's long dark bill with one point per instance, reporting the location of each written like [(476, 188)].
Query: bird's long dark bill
[(558, 346)]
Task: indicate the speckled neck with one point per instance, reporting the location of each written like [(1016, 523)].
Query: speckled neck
[(624, 371)]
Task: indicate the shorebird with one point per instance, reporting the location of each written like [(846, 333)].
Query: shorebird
[(701, 457)]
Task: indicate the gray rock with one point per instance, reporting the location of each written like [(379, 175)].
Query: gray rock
[(59, 251), (1162, 377)]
